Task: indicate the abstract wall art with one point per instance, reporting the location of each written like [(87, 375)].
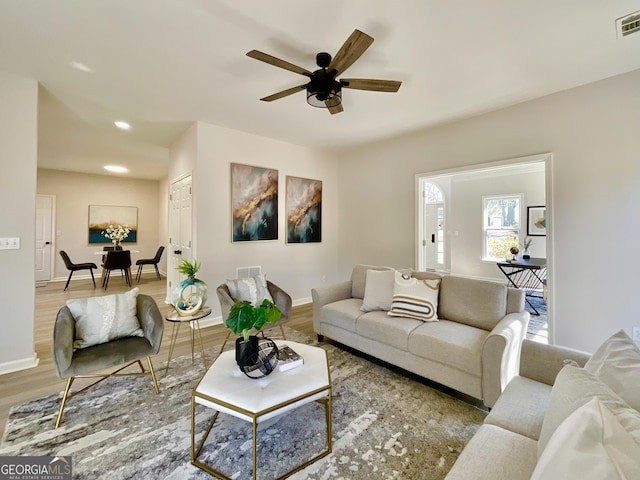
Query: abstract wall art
[(304, 210), (537, 221), (254, 203), (101, 216)]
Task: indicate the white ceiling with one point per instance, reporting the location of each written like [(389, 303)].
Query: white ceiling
[(162, 64)]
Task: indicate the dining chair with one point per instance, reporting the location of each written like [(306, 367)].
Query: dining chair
[(74, 267), (117, 260), (150, 261)]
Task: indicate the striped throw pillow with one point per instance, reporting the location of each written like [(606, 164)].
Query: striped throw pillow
[(415, 298)]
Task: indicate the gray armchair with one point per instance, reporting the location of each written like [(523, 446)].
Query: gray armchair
[(281, 299), (84, 362)]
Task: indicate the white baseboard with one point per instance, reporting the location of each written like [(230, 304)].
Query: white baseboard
[(301, 301), (209, 321), (17, 365)]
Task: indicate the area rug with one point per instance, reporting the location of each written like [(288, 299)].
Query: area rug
[(385, 426)]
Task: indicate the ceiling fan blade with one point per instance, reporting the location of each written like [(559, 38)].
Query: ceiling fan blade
[(350, 51), (370, 84), (284, 93), (337, 109), (276, 62)]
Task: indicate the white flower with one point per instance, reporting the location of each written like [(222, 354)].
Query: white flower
[(116, 233)]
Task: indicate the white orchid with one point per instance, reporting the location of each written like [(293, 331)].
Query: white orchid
[(116, 233)]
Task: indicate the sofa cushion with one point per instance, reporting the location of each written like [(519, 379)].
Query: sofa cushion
[(454, 344), (103, 319), (359, 279), (378, 290), (415, 298), (494, 453), (521, 407), (342, 314), (390, 331), (573, 388), (478, 303), (617, 363), (589, 445)]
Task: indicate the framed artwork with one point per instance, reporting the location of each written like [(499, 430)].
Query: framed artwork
[(304, 210), (254, 203), (537, 221), (101, 216)]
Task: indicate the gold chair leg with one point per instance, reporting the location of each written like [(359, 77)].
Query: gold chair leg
[(284, 337), (64, 400), (153, 375), (224, 343)]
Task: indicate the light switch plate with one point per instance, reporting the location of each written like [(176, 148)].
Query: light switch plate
[(9, 243)]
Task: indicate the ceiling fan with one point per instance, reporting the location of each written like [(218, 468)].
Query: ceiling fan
[(323, 89)]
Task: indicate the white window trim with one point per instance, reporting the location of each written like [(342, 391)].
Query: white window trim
[(519, 196)]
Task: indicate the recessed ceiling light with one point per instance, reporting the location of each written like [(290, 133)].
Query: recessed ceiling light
[(80, 66), (116, 169), (122, 125)]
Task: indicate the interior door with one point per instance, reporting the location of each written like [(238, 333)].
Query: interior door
[(180, 229), (44, 237)]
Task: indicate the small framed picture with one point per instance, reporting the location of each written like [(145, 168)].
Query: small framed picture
[(537, 221)]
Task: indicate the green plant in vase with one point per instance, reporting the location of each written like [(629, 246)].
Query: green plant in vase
[(242, 320), (191, 294)]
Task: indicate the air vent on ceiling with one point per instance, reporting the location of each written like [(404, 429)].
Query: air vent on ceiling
[(628, 24)]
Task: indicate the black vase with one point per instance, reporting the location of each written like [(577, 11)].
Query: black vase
[(256, 358), (247, 352), (117, 248)]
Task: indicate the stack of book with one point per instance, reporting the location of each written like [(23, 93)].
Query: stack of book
[(288, 358)]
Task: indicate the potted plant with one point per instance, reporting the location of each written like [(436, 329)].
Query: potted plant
[(242, 320), (191, 294)]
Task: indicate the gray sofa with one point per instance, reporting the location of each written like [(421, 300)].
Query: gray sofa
[(566, 415), (505, 446), (474, 347)]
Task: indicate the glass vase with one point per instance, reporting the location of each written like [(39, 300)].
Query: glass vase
[(189, 296)]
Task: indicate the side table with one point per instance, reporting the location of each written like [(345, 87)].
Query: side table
[(177, 320), (224, 388)]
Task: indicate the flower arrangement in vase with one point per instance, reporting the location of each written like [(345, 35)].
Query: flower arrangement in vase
[(116, 233), (527, 243)]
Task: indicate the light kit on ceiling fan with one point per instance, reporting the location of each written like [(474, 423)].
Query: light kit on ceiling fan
[(324, 90)]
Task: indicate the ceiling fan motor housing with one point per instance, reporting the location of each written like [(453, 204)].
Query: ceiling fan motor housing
[(323, 90)]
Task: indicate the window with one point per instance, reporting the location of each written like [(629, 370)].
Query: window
[(502, 224)]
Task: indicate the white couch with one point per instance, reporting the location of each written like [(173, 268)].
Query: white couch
[(473, 348), (554, 421)]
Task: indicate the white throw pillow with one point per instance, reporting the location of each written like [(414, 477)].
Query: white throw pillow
[(589, 445), (103, 319), (415, 298), (572, 389), (378, 290), (617, 363), (253, 289)]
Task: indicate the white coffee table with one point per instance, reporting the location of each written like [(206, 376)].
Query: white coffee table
[(226, 389)]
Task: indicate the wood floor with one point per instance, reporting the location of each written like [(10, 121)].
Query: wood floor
[(42, 380)]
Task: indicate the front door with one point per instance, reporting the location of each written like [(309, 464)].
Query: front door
[(44, 237)]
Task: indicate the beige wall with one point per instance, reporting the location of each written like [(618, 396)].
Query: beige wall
[(74, 193), (208, 151), (593, 133), (18, 159)]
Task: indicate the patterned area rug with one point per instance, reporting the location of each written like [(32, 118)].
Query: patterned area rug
[(385, 426)]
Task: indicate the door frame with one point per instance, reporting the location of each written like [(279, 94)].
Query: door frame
[(547, 159)]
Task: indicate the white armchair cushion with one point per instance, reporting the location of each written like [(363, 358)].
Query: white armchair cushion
[(590, 444), (617, 363), (103, 319), (253, 289)]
